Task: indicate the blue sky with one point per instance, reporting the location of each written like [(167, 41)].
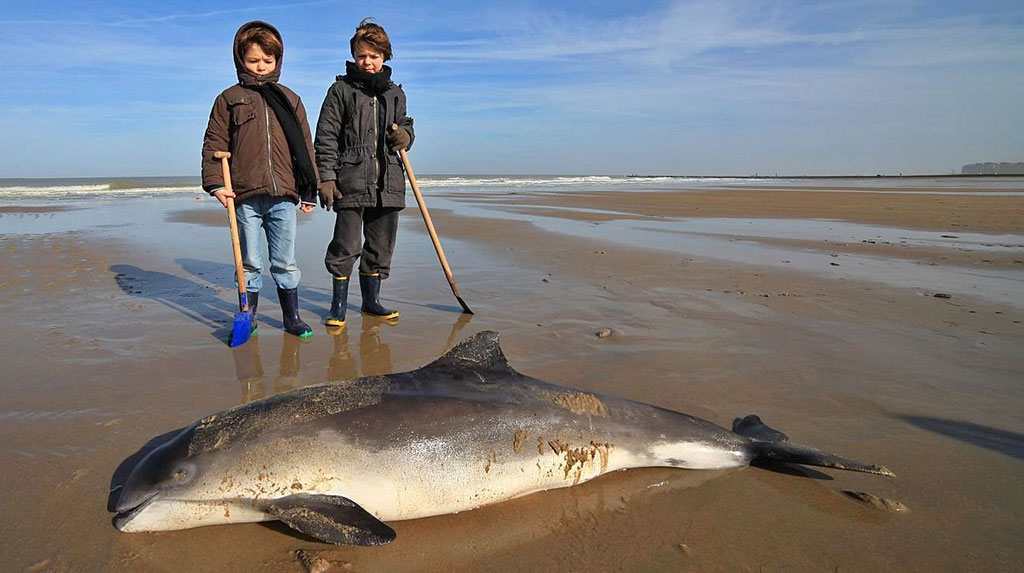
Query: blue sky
[(734, 87)]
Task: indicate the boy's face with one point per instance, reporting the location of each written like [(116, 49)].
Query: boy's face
[(259, 62), (368, 58)]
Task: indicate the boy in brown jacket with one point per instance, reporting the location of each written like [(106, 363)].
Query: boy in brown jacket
[(263, 124)]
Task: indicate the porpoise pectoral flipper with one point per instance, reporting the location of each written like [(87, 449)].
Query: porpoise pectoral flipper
[(331, 518)]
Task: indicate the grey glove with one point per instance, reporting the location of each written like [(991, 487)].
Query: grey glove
[(328, 193), (398, 138)]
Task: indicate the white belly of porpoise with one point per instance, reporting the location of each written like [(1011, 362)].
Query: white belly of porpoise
[(408, 485)]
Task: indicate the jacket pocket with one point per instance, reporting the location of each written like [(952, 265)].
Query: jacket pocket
[(396, 181), (352, 170), (241, 114), (242, 108)]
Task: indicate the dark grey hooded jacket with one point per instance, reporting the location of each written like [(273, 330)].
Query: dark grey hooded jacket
[(349, 142)]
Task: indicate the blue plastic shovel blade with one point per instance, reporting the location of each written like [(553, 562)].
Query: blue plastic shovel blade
[(242, 329)]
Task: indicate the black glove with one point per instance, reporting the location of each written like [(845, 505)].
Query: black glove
[(328, 192), (398, 138)]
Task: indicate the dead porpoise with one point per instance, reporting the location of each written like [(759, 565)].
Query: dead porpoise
[(338, 460)]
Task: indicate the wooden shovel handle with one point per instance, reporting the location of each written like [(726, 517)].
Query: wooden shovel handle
[(236, 246), (429, 223), (426, 218)]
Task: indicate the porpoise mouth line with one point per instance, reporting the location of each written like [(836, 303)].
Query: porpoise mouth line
[(124, 516)]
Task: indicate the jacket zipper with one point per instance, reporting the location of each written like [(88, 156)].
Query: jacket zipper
[(373, 155), (270, 148)]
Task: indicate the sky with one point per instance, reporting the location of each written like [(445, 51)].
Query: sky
[(705, 87)]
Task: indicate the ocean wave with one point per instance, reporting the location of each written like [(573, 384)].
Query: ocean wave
[(86, 188), (112, 189)]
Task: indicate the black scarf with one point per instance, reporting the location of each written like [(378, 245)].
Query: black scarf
[(302, 163), (377, 83)]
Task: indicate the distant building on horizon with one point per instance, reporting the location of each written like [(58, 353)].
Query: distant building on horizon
[(992, 168)]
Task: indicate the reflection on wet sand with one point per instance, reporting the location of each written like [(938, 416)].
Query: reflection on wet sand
[(341, 366), (457, 327), (249, 369), (288, 374), (374, 357), (374, 352)]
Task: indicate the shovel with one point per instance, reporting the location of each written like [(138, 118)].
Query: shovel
[(430, 227), (241, 329)]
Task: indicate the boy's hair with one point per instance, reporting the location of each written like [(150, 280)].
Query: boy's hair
[(370, 33), (262, 37)]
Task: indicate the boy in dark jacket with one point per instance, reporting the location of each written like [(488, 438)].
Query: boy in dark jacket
[(263, 124), (362, 176)]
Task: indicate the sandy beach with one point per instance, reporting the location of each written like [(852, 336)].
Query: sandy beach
[(880, 322)]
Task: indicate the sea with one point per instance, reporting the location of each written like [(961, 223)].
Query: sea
[(72, 189), (22, 191)]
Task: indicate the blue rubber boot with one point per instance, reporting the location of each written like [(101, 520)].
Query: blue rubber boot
[(290, 313), (339, 303), (369, 285)]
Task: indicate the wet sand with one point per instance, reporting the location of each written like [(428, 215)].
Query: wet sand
[(115, 315)]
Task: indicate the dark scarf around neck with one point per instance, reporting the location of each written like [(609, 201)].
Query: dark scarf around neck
[(302, 163), (377, 83)]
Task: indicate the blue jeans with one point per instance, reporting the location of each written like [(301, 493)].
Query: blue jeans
[(275, 216)]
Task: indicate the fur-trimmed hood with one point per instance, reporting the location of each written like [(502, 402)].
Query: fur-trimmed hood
[(245, 77)]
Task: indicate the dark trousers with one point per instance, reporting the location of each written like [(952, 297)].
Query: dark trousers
[(378, 225)]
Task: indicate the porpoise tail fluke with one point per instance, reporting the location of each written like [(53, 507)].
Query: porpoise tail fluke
[(770, 445)]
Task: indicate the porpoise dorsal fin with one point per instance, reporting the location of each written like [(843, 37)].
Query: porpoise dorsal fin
[(752, 427), (480, 352), (331, 518)]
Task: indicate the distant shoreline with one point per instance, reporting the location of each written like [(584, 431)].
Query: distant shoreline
[(879, 176)]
